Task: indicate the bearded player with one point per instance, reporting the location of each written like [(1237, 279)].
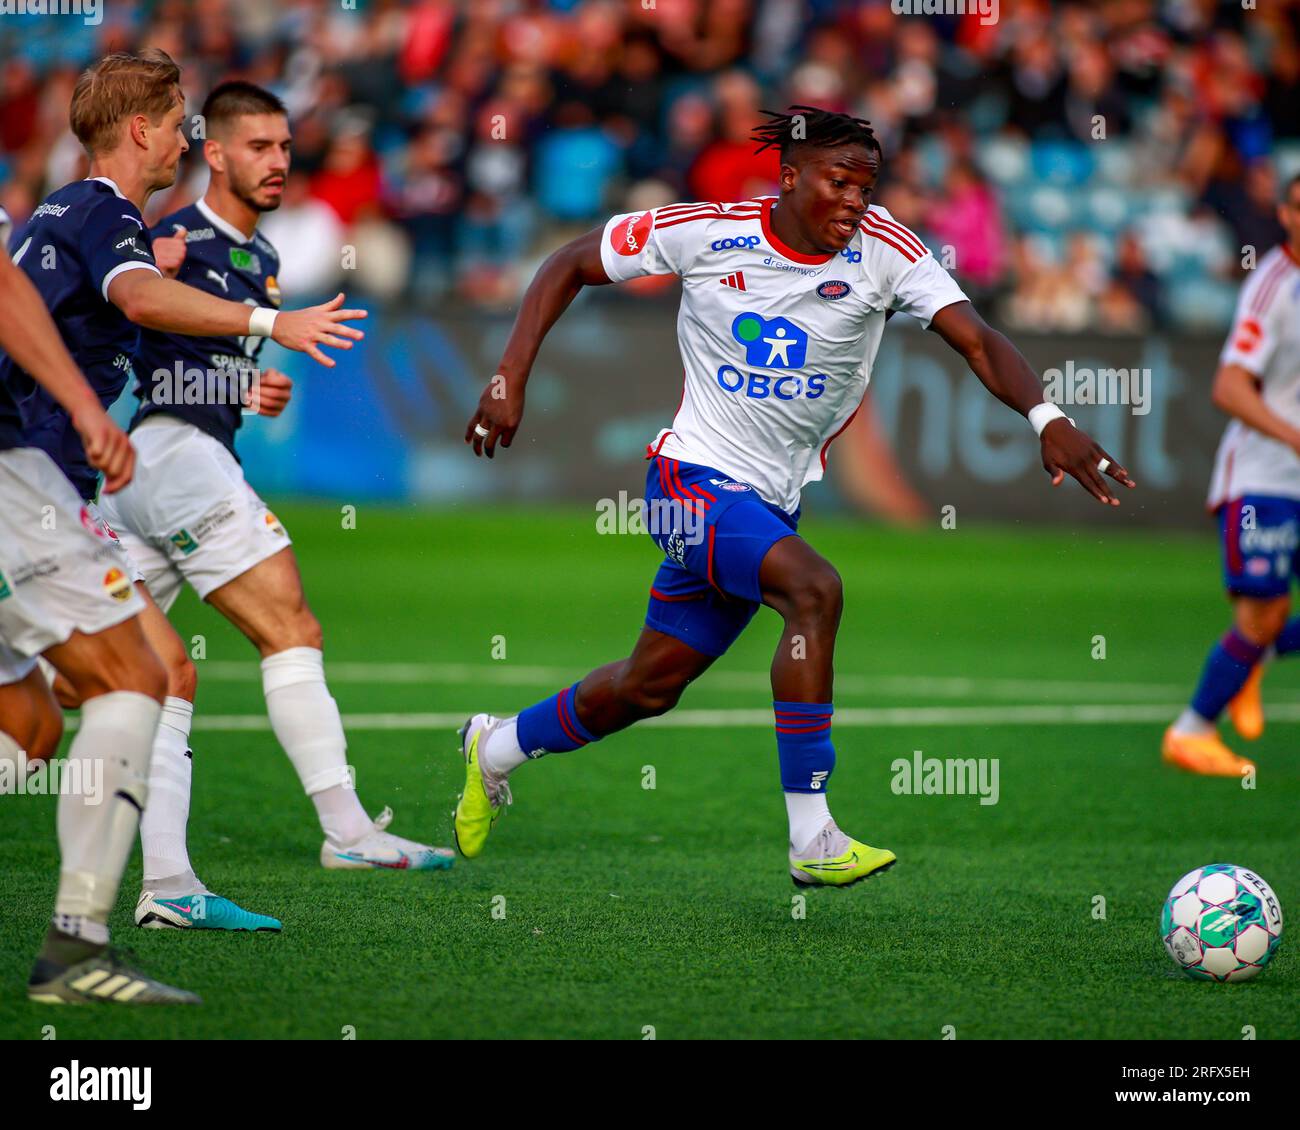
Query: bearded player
[(1255, 492), (784, 300), (190, 516)]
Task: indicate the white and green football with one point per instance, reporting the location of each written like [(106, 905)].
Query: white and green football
[(1221, 923)]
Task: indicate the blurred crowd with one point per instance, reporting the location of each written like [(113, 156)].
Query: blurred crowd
[(1095, 166)]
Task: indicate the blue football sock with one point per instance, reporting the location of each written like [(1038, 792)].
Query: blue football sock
[(1226, 671), (803, 743), (1288, 639), (552, 726)]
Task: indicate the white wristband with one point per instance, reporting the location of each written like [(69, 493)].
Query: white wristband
[(1040, 415), (262, 321)]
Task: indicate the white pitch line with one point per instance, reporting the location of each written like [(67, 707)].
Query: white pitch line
[(501, 674), (1044, 715)]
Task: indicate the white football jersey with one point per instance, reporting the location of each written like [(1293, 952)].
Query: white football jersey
[(1265, 341), (776, 346)]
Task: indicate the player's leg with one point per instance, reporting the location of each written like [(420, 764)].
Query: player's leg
[(805, 590), (647, 683), (120, 684), (267, 603), (1246, 708), (171, 894), (1261, 601), (31, 723)]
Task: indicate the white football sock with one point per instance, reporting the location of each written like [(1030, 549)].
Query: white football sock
[(306, 722), (97, 824), (501, 752), (167, 868), (1189, 722), (808, 814)]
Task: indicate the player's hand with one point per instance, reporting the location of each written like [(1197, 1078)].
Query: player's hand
[(269, 394), (1067, 450), (108, 448), (306, 330), (169, 251), (500, 409)]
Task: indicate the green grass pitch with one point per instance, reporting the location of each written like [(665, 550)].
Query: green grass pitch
[(628, 909)]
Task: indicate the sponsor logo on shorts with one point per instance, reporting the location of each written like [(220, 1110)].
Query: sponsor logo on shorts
[(184, 541), (273, 524), (630, 238), (727, 484), (675, 547), (219, 515), (833, 289), (1259, 566), (96, 526), (118, 585)]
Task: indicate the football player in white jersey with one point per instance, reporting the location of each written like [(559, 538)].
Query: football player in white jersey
[(53, 602), (1255, 491), (784, 300)]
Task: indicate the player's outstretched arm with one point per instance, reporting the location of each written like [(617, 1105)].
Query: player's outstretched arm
[(28, 335), (172, 307), (1236, 392), (556, 284), (1009, 377)]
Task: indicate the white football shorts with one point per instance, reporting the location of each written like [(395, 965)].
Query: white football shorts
[(61, 570), (188, 514)]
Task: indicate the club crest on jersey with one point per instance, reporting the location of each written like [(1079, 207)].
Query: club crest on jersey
[(273, 524), (833, 289), (630, 237), (773, 343), (273, 289)]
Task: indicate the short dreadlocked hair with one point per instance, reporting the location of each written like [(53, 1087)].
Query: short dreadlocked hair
[(807, 127)]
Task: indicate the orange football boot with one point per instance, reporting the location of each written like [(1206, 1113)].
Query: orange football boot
[(1202, 753)]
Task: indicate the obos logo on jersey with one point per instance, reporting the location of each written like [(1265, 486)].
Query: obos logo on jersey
[(629, 238), (774, 343), (771, 343)]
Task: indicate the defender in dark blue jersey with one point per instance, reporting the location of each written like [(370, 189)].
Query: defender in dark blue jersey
[(87, 252), (62, 597), (190, 516)]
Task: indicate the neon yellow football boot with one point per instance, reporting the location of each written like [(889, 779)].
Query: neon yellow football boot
[(486, 794), (833, 859)]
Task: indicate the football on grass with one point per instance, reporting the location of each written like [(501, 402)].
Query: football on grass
[(1221, 923)]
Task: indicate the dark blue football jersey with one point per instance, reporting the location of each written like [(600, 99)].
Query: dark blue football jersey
[(200, 379), (81, 238), (11, 420)]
